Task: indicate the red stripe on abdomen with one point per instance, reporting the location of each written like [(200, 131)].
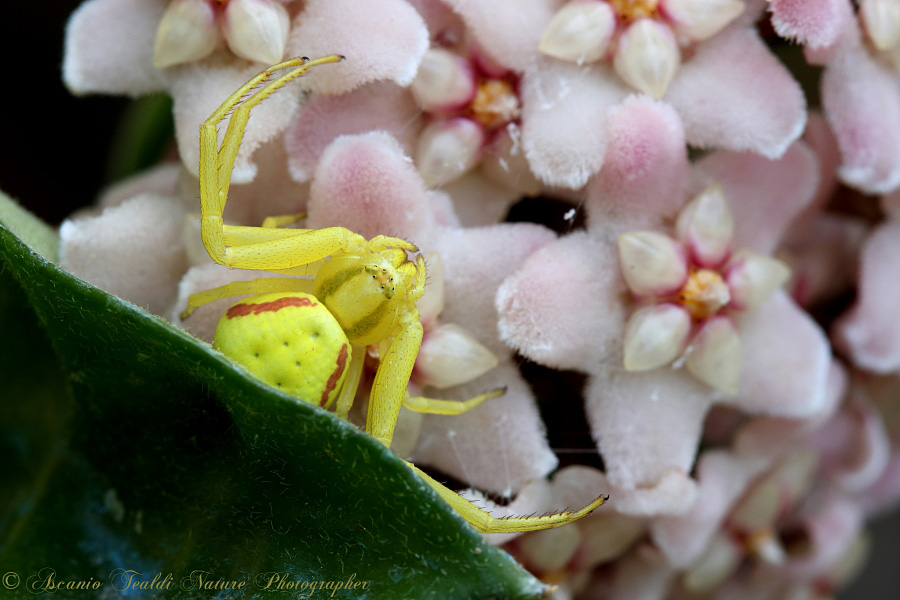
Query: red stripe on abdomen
[(332, 381), (242, 310)]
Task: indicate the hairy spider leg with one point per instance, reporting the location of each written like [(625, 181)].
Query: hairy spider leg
[(485, 522), (267, 248)]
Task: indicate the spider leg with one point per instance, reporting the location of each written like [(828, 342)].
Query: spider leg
[(391, 379), (485, 522), (216, 164), (279, 220), (433, 406), (239, 288)]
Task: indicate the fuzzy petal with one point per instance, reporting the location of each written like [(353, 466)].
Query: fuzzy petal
[(820, 139), (723, 478), (642, 575), (786, 361), (814, 24), (199, 89), (161, 179), (577, 485), (471, 281), (119, 252), (366, 184), (564, 110), (764, 195), (109, 47), (862, 102), (569, 316), (643, 179), (831, 526), (767, 438), (854, 445), (381, 39), (869, 332), (735, 95), (499, 446), (378, 106), (646, 424), (479, 201), (507, 30)]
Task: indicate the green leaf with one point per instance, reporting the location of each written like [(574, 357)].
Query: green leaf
[(171, 460)]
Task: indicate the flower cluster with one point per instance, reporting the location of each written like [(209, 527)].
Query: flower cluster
[(720, 214)]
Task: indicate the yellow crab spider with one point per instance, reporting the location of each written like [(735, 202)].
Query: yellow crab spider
[(364, 292)]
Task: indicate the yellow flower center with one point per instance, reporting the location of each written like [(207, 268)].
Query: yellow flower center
[(631, 10), (704, 293), (495, 103)]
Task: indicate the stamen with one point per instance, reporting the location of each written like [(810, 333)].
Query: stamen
[(495, 103), (704, 294)]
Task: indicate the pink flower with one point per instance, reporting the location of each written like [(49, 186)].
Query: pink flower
[(860, 92), (573, 315), (139, 46)]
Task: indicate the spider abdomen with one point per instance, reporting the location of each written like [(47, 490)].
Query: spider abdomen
[(290, 341)]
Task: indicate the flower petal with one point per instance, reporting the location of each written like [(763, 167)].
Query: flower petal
[(814, 24), (109, 47), (722, 479), (644, 175), (472, 281), (505, 432), (570, 316), (509, 31), (577, 485), (479, 201), (564, 110), (381, 39), (645, 423), (380, 105), (786, 361), (869, 332), (366, 184), (862, 103), (735, 95), (118, 252), (764, 195)]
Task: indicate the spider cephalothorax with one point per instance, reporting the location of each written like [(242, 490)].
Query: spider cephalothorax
[(309, 336)]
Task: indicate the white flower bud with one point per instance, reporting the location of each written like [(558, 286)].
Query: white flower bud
[(551, 549), (451, 356), (256, 29), (655, 336), (444, 81), (753, 278), (579, 32), (187, 32), (702, 19), (715, 355), (447, 149), (706, 227), (715, 566), (647, 57), (652, 263), (881, 19)]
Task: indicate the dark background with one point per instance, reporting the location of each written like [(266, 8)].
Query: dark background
[(55, 157)]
